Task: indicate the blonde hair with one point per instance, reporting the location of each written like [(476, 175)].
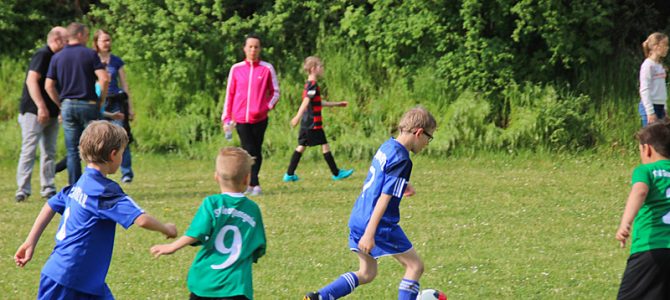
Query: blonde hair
[(233, 164), (652, 41), (99, 139), (311, 62), (416, 118)]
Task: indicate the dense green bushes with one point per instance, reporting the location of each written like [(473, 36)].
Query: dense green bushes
[(499, 74)]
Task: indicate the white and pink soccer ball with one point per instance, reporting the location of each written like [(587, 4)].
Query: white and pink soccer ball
[(431, 294)]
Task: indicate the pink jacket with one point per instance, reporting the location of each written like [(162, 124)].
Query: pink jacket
[(253, 90)]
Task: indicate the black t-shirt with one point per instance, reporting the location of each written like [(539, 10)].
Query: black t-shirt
[(39, 63)]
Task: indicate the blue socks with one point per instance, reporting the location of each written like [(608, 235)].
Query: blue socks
[(408, 289), (341, 287)]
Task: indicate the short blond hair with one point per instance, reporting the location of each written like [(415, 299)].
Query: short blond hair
[(233, 164), (99, 139), (416, 118), (311, 62)]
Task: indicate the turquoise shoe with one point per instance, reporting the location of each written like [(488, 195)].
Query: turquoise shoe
[(289, 178), (343, 174)]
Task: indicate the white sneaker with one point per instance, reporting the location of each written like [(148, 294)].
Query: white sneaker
[(256, 191), (249, 190)]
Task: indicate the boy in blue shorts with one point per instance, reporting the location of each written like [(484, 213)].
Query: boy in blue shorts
[(373, 225), (91, 208), (311, 123), (647, 274), (229, 227)]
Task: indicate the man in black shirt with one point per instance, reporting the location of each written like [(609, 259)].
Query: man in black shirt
[(39, 121)]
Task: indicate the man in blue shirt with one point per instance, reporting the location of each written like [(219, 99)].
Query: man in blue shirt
[(39, 121), (374, 229), (90, 210), (75, 69)]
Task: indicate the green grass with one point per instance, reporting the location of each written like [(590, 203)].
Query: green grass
[(496, 226)]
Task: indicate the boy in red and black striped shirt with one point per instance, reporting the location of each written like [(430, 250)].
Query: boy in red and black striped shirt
[(311, 123)]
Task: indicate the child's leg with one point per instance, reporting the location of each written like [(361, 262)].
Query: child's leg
[(409, 286), (295, 159), (330, 159), (346, 283)]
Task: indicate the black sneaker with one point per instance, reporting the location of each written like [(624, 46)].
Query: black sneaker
[(49, 195), (126, 179), (312, 296), (20, 197)]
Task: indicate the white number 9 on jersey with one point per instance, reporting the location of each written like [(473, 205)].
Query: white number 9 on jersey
[(233, 250)]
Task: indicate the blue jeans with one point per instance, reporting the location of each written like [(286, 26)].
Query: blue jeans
[(119, 103), (659, 110), (76, 116)]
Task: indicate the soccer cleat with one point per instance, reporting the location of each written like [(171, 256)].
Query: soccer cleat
[(312, 296), (289, 178), (343, 174), (126, 179), (256, 191)]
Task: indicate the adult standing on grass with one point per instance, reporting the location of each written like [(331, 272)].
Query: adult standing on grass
[(38, 117), (75, 69), (653, 92), (118, 98), (252, 91)]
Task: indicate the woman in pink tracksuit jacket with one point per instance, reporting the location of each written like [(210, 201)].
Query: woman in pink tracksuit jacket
[(252, 91)]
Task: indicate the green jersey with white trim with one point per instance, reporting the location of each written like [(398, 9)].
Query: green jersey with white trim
[(651, 227), (230, 229)]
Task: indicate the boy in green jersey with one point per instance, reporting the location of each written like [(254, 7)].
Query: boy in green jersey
[(229, 227), (647, 274)]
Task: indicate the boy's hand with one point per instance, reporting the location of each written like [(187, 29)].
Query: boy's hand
[(171, 231), (409, 191), (622, 234), (159, 250), (24, 254), (294, 121), (366, 243)]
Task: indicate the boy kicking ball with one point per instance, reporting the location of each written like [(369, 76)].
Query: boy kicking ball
[(373, 225)]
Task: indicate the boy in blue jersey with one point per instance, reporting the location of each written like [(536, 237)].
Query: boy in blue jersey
[(91, 208), (373, 225), (229, 227)]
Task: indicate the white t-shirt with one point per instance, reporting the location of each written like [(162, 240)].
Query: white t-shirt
[(652, 85)]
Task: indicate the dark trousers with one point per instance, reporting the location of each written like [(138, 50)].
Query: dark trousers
[(251, 137)]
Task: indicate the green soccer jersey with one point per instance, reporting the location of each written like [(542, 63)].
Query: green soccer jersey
[(651, 227), (230, 229)]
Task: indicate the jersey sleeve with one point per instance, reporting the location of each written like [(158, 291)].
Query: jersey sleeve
[(641, 174), (396, 178), (57, 203), (310, 91), (202, 224), (260, 234), (122, 210)]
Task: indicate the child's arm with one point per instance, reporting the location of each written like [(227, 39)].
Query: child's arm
[(409, 191), (170, 248), (331, 104), (367, 241), (301, 111), (148, 222), (25, 252), (635, 200)]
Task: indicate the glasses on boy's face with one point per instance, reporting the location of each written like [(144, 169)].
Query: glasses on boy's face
[(430, 137)]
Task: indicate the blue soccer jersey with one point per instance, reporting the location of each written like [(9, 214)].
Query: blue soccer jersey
[(389, 174), (90, 210)]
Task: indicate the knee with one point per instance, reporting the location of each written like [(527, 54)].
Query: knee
[(366, 276), (416, 268)]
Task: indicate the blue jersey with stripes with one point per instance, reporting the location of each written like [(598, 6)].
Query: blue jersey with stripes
[(389, 174), (90, 210)]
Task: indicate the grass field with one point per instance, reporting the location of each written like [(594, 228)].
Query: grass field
[(492, 227)]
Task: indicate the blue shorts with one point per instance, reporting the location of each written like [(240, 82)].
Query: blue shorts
[(388, 241), (50, 289)]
